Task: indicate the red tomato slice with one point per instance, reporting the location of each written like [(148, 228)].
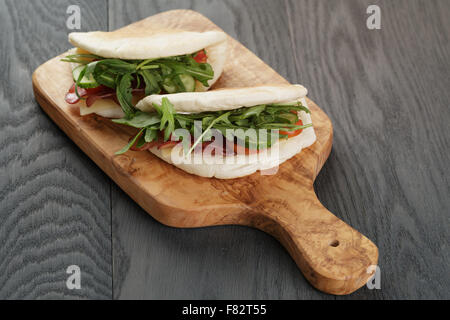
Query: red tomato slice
[(292, 134), (201, 57)]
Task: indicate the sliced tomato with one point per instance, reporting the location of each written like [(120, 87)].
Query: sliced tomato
[(201, 56), (295, 133)]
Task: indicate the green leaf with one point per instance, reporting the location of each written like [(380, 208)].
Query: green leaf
[(167, 119), (275, 108), (143, 63), (80, 58), (130, 144), (220, 118), (151, 135), (152, 66), (200, 71), (140, 120), (284, 126), (245, 113), (118, 66), (77, 82), (124, 94), (151, 83)]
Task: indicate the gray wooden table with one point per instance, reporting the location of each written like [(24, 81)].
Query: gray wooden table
[(387, 92)]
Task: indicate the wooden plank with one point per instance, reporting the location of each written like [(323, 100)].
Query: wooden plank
[(55, 203), (387, 93), (169, 271)]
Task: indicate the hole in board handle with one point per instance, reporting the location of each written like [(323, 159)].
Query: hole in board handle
[(334, 243)]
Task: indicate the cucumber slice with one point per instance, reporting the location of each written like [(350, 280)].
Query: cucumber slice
[(169, 86), (288, 117), (188, 82), (86, 82), (180, 83)]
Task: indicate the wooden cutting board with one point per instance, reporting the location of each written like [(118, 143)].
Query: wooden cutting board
[(333, 256)]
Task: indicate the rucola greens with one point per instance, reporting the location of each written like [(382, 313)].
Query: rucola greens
[(165, 119), (174, 74)]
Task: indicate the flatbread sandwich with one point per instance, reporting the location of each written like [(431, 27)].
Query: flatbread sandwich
[(225, 133), (113, 70)]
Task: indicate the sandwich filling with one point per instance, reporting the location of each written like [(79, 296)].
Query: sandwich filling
[(120, 80), (245, 130)]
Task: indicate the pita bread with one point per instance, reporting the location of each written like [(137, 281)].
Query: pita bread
[(145, 45), (242, 165), (230, 99), (226, 99), (153, 44), (148, 45)]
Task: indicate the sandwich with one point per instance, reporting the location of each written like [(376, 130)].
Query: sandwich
[(225, 133), (114, 70)]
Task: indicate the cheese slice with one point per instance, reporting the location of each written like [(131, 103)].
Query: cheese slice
[(104, 107)]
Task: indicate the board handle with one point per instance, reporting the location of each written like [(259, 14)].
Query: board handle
[(334, 257)]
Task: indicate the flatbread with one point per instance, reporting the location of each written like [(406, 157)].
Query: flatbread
[(229, 99), (226, 99), (153, 44), (236, 166), (149, 44)]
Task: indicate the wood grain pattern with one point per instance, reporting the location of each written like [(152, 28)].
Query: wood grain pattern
[(386, 92), (333, 256), (54, 202)]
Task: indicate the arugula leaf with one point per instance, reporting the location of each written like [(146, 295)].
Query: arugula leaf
[(143, 63), (124, 94), (284, 126), (80, 58), (200, 71), (151, 82), (130, 144), (218, 119), (77, 82), (245, 113), (167, 118), (151, 135), (140, 120), (276, 108), (263, 118), (118, 66), (105, 77)]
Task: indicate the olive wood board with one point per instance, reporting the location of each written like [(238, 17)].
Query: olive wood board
[(333, 256)]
